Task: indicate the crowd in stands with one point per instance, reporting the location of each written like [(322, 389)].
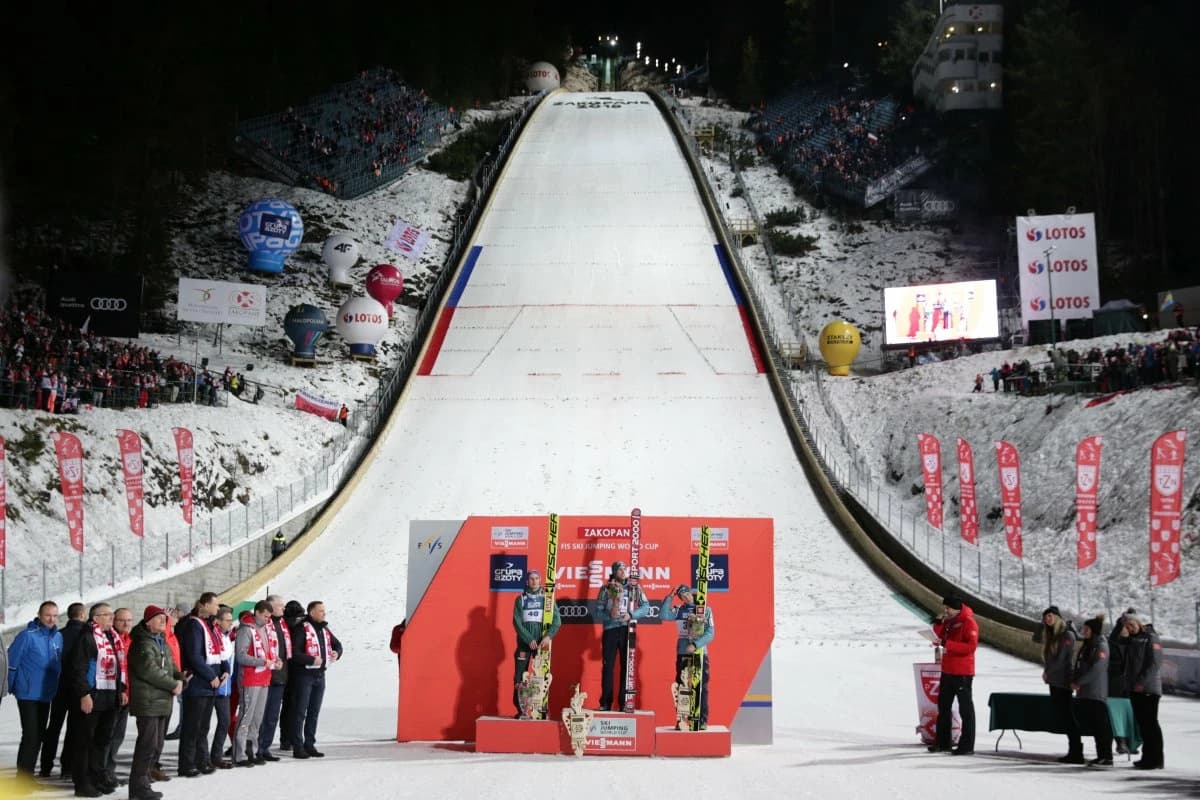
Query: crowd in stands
[(352, 137), (828, 138), (50, 365), (106, 670)]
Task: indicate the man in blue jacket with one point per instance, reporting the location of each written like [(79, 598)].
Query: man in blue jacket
[(34, 667), (620, 601), (203, 660)]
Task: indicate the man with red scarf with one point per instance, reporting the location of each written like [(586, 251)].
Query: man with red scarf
[(94, 676), (122, 625), (201, 654), (314, 648), (279, 637)]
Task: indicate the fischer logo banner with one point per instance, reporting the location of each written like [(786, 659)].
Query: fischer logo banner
[(70, 471), (1087, 499), (968, 509), (1166, 506), (1069, 272), (3, 504), (187, 469), (131, 464), (1009, 463), (931, 467)]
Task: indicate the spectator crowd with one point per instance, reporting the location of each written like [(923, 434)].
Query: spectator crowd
[(256, 675)]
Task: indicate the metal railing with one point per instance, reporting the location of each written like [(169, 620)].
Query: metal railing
[(127, 562), (1015, 585)]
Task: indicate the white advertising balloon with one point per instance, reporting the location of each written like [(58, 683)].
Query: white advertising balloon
[(362, 322), (340, 253)]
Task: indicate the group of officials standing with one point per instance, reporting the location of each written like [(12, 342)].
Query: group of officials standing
[(1127, 663), (101, 669), (620, 601)]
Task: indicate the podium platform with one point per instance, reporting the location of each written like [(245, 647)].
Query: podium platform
[(611, 734), (716, 742)]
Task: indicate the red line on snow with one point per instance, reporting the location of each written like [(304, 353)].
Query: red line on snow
[(436, 341), (758, 362)]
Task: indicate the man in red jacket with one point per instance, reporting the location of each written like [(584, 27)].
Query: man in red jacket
[(958, 634)]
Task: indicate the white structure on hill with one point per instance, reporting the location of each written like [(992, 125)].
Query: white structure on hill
[(961, 66)]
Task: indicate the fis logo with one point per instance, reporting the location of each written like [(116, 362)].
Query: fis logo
[(430, 545), (1037, 304), (1036, 267)]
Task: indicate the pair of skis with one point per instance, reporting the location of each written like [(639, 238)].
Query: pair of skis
[(629, 690), (699, 618), (535, 689)]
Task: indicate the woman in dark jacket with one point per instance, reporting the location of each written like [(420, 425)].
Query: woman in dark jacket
[(1144, 678), (1118, 646), (1090, 683), (1058, 656)]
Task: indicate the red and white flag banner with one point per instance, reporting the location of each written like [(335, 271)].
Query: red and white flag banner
[(931, 467), (70, 472), (315, 404), (968, 509), (187, 469), (1166, 506), (1087, 499), (1009, 464), (3, 506), (131, 464)]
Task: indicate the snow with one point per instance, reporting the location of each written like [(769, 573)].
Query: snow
[(597, 273)]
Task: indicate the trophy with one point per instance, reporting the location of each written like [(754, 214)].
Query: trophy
[(578, 721), (535, 688), (681, 691)]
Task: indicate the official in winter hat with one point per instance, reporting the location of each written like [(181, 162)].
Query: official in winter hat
[(616, 566), (1053, 610), (153, 611), (1095, 624), (952, 602)]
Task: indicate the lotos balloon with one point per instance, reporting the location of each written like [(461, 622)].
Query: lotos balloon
[(362, 322), (385, 283), (271, 230), (340, 253), (305, 325), (839, 346)]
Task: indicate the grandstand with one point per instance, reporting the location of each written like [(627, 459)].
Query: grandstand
[(839, 142), (349, 140)]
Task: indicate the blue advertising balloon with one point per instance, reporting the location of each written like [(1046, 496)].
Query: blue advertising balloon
[(305, 325), (271, 230)]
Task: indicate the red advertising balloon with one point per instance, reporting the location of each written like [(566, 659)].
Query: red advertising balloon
[(385, 284)]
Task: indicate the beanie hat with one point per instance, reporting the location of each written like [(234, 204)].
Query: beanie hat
[(531, 573), (1096, 623), (293, 609), (950, 601), (1052, 610), (151, 612), (616, 565)]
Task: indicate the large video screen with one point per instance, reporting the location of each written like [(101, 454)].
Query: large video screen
[(940, 312)]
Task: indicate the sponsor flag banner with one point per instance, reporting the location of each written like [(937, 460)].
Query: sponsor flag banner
[(928, 678), (1087, 499), (131, 464), (968, 509), (1058, 251), (315, 404), (187, 469), (1009, 463), (1166, 506), (408, 240), (931, 467), (3, 504), (70, 472), (221, 302)]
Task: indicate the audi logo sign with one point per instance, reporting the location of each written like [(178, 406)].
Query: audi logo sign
[(108, 304), (102, 304)]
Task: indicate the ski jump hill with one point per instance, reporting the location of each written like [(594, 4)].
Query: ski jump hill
[(593, 352)]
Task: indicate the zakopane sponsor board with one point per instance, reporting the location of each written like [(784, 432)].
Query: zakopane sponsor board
[(1058, 268), (469, 602), (221, 302)]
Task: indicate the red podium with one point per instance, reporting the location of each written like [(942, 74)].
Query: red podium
[(716, 742), (611, 734)]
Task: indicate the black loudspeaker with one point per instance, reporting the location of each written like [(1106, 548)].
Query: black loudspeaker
[(249, 368), (204, 363)]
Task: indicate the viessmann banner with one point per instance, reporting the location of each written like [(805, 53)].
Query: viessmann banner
[(221, 302), (1070, 272), (108, 304)]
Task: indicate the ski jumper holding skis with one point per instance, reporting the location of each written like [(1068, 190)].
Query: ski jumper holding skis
[(619, 602), (694, 637), (527, 622), (958, 634)]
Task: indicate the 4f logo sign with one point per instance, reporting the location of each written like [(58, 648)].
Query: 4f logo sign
[(343, 247)]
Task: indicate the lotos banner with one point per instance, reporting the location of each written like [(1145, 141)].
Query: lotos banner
[(187, 469), (3, 504), (1166, 505), (1009, 463), (931, 468), (1058, 268), (70, 471), (1087, 499), (131, 464), (968, 509), (315, 404)]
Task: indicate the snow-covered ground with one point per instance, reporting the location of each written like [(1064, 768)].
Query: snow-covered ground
[(596, 208)]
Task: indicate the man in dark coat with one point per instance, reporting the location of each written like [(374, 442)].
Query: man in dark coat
[(154, 683), (94, 676), (201, 654), (76, 621), (314, 648), (281, 637), (1143, 676), (293, 612)]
